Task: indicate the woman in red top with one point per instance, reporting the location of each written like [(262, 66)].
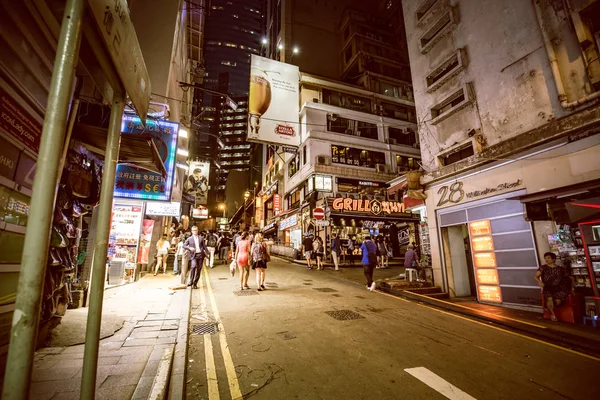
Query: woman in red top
[(242, 257)]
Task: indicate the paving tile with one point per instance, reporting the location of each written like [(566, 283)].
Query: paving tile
[(51, 350), (115, 381), (41, 395), (39, 389), (43, 364), (110, 345), (109, 360), (66, 396), (52, 374), (74, 349), (151, 368), (176, 386), (170, 333), (117, 369), (149, 323), (148, 328), (109, 393), (61, 356), (144, 335), (166, 340), (125, 351), (154, 317), (139, 342), (143, 388), (70, 363), (134, 358)]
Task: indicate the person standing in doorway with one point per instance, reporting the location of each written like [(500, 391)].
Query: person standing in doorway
[(369, 261), (197, 248), (307, 245), (336, 249), (211, 243), (162, 252), (242, 258)]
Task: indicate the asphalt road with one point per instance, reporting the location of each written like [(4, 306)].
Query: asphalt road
[(282, 344)]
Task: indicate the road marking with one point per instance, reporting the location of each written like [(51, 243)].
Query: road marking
[(211, 370), (497, 328), (438, 384), (234, 385)]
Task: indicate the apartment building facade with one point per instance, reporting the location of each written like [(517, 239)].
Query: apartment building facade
[(506, 96)]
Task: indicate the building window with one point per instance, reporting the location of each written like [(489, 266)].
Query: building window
[(351, 127), (348, 101), (440, 28), (356, 157), (304, 155), (457, 155), (294, 199), (446, 70), (406, 163), (424, 9), (402, 136), (293, 166), (398, 111), (451, 104)]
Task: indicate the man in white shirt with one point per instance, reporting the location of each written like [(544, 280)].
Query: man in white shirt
[(197, 248)]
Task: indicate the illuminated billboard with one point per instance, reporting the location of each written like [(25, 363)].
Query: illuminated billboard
[(273, 104), (196, 183), (138, 183)]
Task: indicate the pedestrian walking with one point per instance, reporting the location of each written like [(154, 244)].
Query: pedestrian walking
[(307, 245), (351, 246), (178, 255), (223, 247), (162, 252), (185, 260), (369, 261), (260, 257), (197, 247), (211, 243), (242, 258), (319, 252), (383, 256), (336, 249)]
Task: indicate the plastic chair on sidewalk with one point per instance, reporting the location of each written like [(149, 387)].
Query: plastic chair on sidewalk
[(410, 274)]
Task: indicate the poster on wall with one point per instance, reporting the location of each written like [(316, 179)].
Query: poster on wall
[(137, 183), (124, 232), (273, 105), (145, 240), (196, 184)]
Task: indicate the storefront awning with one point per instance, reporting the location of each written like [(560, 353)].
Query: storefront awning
[(135, 150), (584, 210)]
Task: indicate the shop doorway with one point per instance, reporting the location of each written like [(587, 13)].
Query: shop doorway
[(459, 263)]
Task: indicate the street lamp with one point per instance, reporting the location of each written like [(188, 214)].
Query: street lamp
[(295, 51), (222, 207)]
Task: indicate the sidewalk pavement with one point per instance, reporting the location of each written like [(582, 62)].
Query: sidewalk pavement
[(142, 360), (576, 336)]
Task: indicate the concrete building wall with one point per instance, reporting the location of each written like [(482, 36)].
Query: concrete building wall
[(506, 71)]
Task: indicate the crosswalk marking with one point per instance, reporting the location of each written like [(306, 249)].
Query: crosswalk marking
[(438, 384)]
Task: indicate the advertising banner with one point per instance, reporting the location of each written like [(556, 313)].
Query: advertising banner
[(273, 105), (19, 123), (145, 240), (196, 184), (163, 208), (136, 183)]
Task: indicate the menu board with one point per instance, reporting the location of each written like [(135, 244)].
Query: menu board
[(125, 232), (484, 261)]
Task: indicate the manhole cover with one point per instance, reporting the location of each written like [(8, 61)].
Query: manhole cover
[(307, 283), (324, 289), (286, 335), (205, 329), (245, 292), (336, 295), (222, 279), (343, 315)]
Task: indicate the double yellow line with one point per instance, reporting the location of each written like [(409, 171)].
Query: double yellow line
[(211, 371)]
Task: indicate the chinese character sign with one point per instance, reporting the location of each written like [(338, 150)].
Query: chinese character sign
[(196, 184), (137, 183)]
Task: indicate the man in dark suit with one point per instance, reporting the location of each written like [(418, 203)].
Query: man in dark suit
[(197, 247)]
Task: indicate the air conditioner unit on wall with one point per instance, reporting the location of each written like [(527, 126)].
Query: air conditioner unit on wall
[(323, 160), (381, 168)]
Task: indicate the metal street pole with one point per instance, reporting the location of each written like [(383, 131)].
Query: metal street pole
[(92, 333), (33, 263)]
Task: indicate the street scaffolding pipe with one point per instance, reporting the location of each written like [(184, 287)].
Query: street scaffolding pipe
[(96, 294), (37, 239)]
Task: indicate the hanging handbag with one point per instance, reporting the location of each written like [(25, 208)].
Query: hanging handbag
[(80, 177)]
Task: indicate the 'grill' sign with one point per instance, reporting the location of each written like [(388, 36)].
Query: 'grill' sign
[(375, 207)]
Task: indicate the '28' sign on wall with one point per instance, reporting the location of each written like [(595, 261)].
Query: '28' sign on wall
[(451, 194)]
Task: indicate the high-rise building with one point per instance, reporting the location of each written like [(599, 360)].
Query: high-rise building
[(233, 33)]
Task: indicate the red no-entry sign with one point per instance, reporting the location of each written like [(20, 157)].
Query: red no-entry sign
[(318, 213)]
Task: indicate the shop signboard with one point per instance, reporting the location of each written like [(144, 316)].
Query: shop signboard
[(18, 122), (116, 28), (172, 209), (145, 241), (289, 222), (484, 261), (375, 207), (468, 190), (9, 158), (196, 184), (200, 212), (321, 223), (125, 232), (273, 103), (270, 226), (136, 183), (276, 203)]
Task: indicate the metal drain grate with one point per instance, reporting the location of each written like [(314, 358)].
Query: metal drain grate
[(324, 289), (286, 335), (344, 315), (245, 292), (205, 329)]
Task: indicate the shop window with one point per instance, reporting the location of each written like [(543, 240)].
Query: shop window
[(356, 157), (450, 105), (407, 163), (14, 206), (293, 166), (350, 127), (294, 199), (457, 155)]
